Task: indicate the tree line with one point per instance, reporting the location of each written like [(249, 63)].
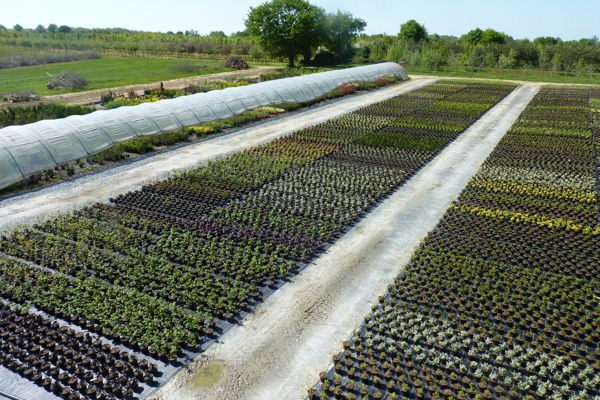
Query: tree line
[(296, 30), (479, 48)]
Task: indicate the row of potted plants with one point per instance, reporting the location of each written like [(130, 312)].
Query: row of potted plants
[(154, 269), (502, 298)]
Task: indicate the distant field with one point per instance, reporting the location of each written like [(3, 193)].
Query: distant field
[(516, 74), (103, 73)]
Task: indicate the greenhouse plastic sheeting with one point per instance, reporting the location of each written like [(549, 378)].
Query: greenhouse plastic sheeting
[(28, 149)]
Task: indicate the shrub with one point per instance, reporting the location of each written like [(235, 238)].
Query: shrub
[(347, 89), (107, 98), (286, 73), (290, 72), (28, 115), (324, 58), (200, 130), (236, 62)]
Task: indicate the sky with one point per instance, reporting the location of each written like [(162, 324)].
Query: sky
[(569, 20)]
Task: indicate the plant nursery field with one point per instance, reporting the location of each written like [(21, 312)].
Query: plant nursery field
[(94, 302), (501, 301)]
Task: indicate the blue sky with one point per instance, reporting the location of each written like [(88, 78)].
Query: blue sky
[(569, 20)]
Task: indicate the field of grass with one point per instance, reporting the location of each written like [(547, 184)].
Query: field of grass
[(516, 74), (103, 73)]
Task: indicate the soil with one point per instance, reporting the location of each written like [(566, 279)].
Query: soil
[(93, 96), (208, 375), (279, 350)]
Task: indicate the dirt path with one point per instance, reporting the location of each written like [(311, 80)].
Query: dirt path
[(101, 186), (279, 350), (503, 80), (93, 96)]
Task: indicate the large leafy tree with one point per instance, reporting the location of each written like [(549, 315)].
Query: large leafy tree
[(64, 29), (487, 37), (341, 29), (287, 28), (412, 30), (473, 37)]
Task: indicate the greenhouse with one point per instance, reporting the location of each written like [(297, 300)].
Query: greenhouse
[(28, 149)]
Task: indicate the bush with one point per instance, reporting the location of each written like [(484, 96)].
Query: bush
[(107, 98), (67, 80), (290, 72), (28, 115), (236, 62), (286, 73), (325, 58), (257, 52), (347, 89)]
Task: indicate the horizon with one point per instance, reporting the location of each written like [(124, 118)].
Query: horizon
[(498, 16)]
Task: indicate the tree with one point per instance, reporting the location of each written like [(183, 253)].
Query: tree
[(52, 28), (412, 30), (473, 37), (581, 66), (491, 59), (64, 29), (240, 34), (341, 29), (490, 36), (508, 61), (2, 27), (546, 41), (220, 34), (557, 62), (40, 29), (434, 56), (589, 41), (18, 28), (287, 28)]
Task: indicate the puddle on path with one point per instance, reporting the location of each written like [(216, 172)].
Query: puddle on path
[(207, 376)]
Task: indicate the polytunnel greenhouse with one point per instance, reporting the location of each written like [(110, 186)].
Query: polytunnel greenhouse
[(27, 149)]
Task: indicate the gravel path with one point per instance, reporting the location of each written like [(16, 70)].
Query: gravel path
[(93, 96), (87, 189), (279, 350)]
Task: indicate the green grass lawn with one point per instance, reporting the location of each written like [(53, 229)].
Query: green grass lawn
[(516, 74), (102, 73)]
